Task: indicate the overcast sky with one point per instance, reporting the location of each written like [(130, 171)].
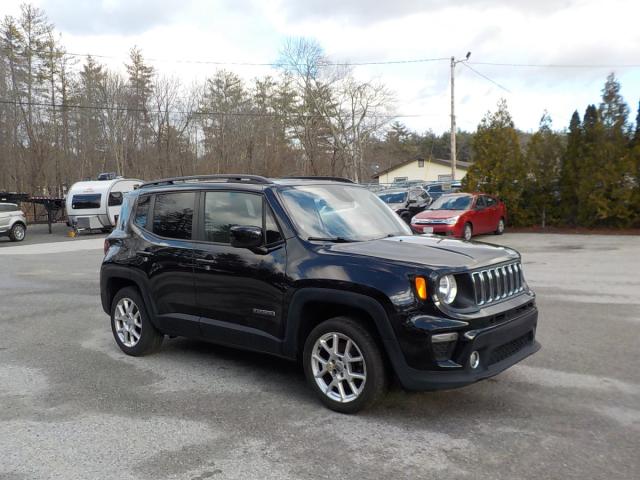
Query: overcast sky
[(559, 32)]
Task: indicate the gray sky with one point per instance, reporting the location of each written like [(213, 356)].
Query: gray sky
[(584, 32)]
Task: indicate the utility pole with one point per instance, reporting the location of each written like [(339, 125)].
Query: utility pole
[(453, 121), (454, 159)]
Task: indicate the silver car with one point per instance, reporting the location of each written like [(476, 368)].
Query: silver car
[(13, 223)]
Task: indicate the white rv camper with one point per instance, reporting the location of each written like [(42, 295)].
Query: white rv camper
[(95, 205)]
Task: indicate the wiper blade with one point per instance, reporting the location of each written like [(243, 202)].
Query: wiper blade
[(331, 239)]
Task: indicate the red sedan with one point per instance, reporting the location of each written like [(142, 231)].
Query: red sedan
[(462, 215)]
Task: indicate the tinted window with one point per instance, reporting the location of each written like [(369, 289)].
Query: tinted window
[(222, 210), (86, 201), (173, 215), (115, 199), (480, 203), (490, 201), (142, 211), (435, 188), (272, 232)]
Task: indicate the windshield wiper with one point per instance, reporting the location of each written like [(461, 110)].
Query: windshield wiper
[(331, 239)]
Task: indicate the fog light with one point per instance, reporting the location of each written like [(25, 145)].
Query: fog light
[(474, 359)]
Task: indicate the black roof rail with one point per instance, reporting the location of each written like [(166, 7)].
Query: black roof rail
[(206, 178), (335, 179)]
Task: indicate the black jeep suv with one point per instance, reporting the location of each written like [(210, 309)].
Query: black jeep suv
[(315, 269)]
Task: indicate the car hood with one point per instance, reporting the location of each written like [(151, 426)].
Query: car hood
[(430, 251), (440, 213)]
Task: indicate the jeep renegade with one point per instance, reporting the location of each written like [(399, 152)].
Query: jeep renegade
[(318, 270)]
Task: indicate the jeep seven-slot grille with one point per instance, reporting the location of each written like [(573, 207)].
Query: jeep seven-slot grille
[(496, 283)]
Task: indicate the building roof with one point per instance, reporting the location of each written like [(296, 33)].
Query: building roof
[(441, 161)]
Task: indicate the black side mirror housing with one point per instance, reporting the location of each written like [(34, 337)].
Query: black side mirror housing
[(246, 236)]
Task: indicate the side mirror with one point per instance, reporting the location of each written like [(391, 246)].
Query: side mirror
[(246, 236)]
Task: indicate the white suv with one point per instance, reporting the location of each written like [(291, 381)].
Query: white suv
[(13, 223)]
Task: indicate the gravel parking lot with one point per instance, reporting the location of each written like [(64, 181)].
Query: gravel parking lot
[(75, 407)]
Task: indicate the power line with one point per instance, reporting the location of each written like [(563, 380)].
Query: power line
[(558, 65), (244, 64), (194, 112), (485, 77)]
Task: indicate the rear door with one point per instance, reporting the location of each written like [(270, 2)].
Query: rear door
[(239, 291), (164, 257)]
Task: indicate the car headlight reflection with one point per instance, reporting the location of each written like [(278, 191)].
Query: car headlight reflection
[(447, 289)]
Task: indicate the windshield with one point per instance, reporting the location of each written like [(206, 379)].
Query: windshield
[(348, 213), (452, 202), (393, 197)]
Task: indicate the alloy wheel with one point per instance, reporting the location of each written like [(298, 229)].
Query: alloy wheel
[(128, 323), (338, 367), (18, 232)]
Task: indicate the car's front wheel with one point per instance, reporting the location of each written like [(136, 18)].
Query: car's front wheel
[(133, 331), (467, 232), (17, 232), (344, 365)]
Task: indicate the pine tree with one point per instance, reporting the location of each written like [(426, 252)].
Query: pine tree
[(615, 161), (543, 159), (570, 171), (498, 167)]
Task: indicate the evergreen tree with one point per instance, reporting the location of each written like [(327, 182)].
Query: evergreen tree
[(570, 171), (498, 167), (543, 159), (615, 162)]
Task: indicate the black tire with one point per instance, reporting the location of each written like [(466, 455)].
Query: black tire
[(500, 227), (17, 232), (467, 231), (150, 338), (375, 384)]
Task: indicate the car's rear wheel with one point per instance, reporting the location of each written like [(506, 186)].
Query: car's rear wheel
[(17, 232), (467, 231), (500, 228), (133, 331)]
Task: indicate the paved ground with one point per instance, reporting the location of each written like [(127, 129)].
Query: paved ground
[(73, 407), (39, 233)]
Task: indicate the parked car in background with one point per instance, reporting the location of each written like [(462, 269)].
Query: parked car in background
[(436, 190), (13, 222), (406, 202), (316, 270), (462, 215)]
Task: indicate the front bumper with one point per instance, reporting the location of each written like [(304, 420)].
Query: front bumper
[(499, 346), (440, 229)]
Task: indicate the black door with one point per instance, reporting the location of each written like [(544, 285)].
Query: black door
[(164, 254), (239, 291)]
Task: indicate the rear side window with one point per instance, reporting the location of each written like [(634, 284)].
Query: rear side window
[(142, 211), (490, 201), (173, 215), (86, 201), (223, 210)]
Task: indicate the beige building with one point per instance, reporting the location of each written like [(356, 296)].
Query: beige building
[(432, 170)]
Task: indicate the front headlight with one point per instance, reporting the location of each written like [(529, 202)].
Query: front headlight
[(447, 289), (452, 220)]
